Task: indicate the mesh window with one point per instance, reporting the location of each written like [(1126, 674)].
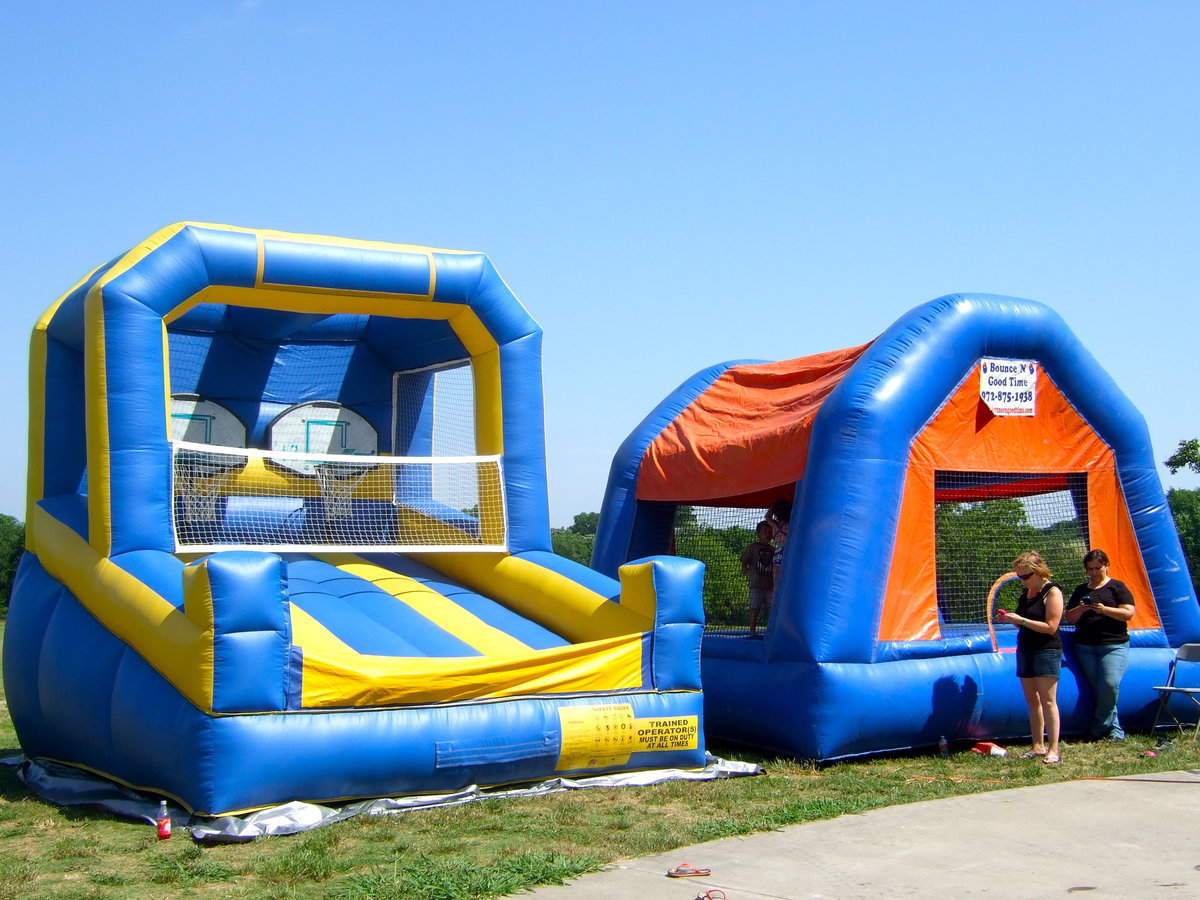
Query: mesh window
[(984, 520), (717, 536), (234, 497), (433, 493), (435, 416), (435, 412)]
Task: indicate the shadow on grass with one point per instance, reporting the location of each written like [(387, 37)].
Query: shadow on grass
[(11, 788), (743, 753)]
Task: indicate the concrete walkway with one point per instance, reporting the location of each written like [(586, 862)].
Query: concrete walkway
[(1137, 836)]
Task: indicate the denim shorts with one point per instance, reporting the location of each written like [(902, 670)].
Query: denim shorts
[(1039, 663)]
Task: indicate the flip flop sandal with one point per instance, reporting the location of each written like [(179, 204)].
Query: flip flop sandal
[(1029, 754), (687, 870), (1051, 759), (712, 894)]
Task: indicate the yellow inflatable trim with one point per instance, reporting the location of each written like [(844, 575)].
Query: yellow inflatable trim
[(465, 323), (178, 646), (552, 600), (335, 676)]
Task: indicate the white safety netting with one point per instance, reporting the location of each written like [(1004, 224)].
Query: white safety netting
[(227, 497), (977, 541)]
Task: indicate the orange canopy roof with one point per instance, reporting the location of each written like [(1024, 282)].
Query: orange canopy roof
[(744, 441)]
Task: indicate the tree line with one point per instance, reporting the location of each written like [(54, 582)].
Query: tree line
[(974, 528), (12, 544), (721, 549), (1185, 506)]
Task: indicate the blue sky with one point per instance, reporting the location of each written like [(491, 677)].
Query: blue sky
[(664, 185)]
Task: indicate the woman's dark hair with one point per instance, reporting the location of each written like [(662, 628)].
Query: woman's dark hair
[(1095, 556), (781, 510)]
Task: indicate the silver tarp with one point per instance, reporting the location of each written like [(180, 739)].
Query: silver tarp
[(68, 786)]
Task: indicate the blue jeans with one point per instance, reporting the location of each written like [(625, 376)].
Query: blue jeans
[(1103, 666)]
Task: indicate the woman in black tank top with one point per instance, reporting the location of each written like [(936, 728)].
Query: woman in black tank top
[(1039, 651)]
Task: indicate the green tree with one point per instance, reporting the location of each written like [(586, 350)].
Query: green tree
[(736, 539), (720, 548), (1185, 508), (685, 518), (568, 543), (976, 544), (1186, 456), (12, 543), (725, 589), (585, 523), (576, 540)]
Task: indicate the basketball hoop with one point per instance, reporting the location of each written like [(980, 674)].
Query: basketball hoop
[(337, 481), (200, 482), (200, 473)]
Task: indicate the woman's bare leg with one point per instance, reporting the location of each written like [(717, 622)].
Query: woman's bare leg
[(1037, 724), (1047, 690)]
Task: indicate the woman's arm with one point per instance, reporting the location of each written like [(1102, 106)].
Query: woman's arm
[(1075, 609), (1122, 613), (1054, 612)]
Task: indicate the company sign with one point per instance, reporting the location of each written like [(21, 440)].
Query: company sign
[(1009, 386)]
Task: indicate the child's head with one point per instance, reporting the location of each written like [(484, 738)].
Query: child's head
[(764, 531)]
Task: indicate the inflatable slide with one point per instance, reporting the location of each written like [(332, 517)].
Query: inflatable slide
[(917, 467), (288, 538)]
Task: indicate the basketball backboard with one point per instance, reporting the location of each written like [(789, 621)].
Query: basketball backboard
[(320, 427), (203, 421), (195, 420)]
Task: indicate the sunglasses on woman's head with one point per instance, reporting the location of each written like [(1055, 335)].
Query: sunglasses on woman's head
[(1026, 576)]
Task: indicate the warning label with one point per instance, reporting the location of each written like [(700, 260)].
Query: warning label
[(682, 733), (595, 737)]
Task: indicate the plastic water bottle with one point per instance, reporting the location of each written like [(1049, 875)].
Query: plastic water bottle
[(944, 747), (164, 821)]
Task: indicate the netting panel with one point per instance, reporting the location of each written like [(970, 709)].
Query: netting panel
[(717, 536), (230, 497), (978, 540), (435, 411)]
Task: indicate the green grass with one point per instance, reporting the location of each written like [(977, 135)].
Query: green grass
[(495, 847)]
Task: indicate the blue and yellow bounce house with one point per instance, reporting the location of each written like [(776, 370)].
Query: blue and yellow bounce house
[(288, 538), (918, 467)]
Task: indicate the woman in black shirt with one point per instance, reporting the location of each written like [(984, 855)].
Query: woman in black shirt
[(1039, 651), (1100, 610)]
